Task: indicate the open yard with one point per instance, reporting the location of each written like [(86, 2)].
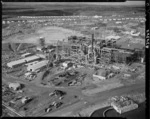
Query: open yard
[(51, 34)]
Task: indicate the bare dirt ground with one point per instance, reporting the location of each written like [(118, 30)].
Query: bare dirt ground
[(98, 100), (102, 86), (52, 35)]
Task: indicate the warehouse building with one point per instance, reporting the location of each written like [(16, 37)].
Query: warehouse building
[(27, 54), (100, 74), (23, 61), (123, 105), (37, 66), (99, 77), (31, 63)]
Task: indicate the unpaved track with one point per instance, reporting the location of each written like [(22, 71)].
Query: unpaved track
[(100, 98)]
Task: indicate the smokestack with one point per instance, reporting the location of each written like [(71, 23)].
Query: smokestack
[(92, 41)]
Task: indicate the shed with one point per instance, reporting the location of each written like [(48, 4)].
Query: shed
[(24, 60), (66, 64), (27, 54), (25, 99), (100, 77), (101, 74), (37, 66), (113, 37), (15, 86), (31, 63), (39, 48)]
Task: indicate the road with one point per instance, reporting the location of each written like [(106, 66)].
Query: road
[(91, 100), (66, 111), (99, 98), (12, 110)]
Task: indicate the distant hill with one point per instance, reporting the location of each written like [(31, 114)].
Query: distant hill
[(68, 9)]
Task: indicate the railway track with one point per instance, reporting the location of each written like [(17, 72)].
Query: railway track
[(12, 110)]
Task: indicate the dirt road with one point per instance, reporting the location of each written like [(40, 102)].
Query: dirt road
[(99, 98)]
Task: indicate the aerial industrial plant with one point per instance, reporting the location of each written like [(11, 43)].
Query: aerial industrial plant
[(72, 65)]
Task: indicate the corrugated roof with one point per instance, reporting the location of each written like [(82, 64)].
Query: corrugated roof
[(37, 65), (32, 63), (25, 54), (27, 59)]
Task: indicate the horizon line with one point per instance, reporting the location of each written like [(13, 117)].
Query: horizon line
[(81, 3)]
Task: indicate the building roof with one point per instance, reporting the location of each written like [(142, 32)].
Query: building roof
[(37, 65), (113, 37), (20, 61), (41, 55), (101, 72), (122, 102), (131, 46), (14, 85), (24, 99), (31, 63), (10, 64), (23, 55)]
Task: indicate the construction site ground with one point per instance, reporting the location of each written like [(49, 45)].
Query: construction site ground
[(51, 33), (83, 99), (92, 95), (98, 101)]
